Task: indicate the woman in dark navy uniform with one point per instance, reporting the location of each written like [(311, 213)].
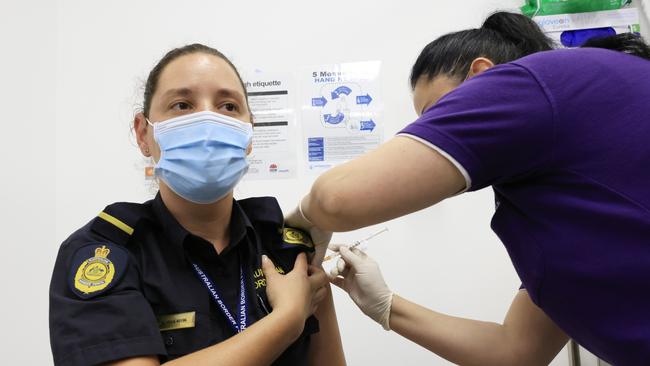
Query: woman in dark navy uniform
[(192, 277)]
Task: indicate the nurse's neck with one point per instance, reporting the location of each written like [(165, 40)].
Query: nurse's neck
[(210, 222)]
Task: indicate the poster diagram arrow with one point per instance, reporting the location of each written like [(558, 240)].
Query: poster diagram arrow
[(368, 125), (334, 120), (341, 90), (318, 102), (364, 99)]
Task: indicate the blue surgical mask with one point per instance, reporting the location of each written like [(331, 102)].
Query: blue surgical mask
[(202, 155)]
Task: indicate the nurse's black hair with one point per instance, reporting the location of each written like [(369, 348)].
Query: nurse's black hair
[(504, 37), (629, 43), (152, 81)]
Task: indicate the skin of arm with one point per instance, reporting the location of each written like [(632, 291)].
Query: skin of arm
[(271, 335), (326, 347), (526, 337), (400, 177)]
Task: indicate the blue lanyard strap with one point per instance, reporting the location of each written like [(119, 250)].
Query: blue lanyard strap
[(242, 323)]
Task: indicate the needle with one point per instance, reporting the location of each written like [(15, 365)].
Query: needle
[(356, 244)]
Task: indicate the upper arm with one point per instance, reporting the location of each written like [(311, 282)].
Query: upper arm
[(97, 325), (495, 128), (325, 347), (136, 361), (533, 334), (400, 177)]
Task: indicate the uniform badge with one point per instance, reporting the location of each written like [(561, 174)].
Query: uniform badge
[(176, 321), (98, 267), (295, 236)]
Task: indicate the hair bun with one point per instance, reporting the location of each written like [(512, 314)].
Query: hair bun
[(519, 30)]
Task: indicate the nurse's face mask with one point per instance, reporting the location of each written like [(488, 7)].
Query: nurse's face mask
[(202, 155)]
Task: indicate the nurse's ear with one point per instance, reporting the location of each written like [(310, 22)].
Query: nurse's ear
[(479, 65)]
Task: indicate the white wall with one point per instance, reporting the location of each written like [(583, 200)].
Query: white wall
[(27, 214), (72, 72), (644, 6)]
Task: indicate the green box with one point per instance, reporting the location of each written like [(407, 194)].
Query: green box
[(552, 7)]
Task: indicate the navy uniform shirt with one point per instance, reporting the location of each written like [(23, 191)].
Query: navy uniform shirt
[(124, 284)]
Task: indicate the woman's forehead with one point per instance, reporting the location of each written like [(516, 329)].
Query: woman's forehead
[(198, 70)]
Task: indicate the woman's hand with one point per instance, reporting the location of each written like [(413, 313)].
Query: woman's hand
[(297, 294)]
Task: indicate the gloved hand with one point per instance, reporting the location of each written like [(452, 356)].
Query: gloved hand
[(320, 238), (359, 275)]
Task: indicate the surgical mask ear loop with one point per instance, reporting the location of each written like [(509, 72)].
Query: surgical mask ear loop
[(152, 126)]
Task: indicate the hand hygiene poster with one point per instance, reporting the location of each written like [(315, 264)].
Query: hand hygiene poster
[(274, 154), (341, 112)]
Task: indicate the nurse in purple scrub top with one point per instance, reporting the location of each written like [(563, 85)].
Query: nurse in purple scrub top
[(563, 139)]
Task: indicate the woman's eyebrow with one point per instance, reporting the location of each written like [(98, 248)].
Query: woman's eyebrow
[(224, 92), (230, 93), (178, 91)]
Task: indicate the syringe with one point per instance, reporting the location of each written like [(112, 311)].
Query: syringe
[(356, 244)]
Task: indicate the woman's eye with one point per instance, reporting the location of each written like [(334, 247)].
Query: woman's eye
[(230, 107), (181, 106)]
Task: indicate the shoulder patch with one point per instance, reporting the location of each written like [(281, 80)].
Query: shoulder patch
[(95, 268), (293, 237)]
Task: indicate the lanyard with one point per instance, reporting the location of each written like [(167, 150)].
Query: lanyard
[(242, 323)]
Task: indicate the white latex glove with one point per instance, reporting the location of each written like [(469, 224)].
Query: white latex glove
[(320, 238), (359, 275)]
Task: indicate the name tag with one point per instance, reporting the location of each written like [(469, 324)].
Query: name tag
[(176, 321)]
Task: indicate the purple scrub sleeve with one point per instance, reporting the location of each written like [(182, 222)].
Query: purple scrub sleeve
[(498, 127)]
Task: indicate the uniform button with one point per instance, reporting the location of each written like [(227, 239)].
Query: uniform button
[(169, 340)]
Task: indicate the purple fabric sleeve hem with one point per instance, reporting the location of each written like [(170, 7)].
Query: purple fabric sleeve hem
[(445, 143)]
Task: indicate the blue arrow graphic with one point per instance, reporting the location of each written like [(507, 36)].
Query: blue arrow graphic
[(368, 125), (335, 120), (318, 102), (341, 90), (364, 99)]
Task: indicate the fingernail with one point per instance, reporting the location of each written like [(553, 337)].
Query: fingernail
[(264, 258)]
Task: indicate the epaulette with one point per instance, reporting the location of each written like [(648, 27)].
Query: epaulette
[(267, 209), (264, 209), (117, 222)]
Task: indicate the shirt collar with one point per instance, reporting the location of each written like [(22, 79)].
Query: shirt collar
[(240, 224), (177, 234), (172, 230)]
